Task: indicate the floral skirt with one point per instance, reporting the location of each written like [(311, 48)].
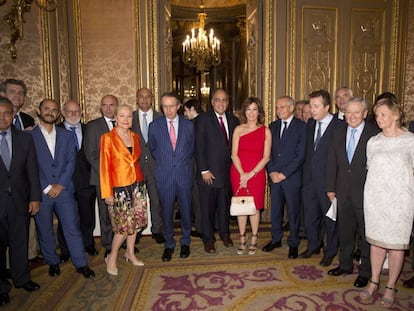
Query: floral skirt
[(130, 209)]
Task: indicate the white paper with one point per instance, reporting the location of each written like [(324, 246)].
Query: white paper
[(332, 211)]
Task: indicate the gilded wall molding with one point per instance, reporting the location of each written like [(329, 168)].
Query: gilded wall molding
[(154, 51), (252, 46), (268, 60), (79, 56), (291, 53), (46, 55)]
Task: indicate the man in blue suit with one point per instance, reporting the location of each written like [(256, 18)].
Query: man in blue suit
[(319, 132), (285, 174), (56, 155), (171, 142)]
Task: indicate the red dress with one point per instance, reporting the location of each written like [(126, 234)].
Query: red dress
[(251, 148)]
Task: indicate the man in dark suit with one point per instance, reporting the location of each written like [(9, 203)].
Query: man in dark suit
[(142, 118), (19, 198), (345, 178), (285, 174), (56, 156), (342, 95), (171, 142), (85, 193), (214, 131), (319, 132), (94, 131)]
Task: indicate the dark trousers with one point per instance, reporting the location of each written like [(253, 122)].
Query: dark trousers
[(350, 222), (85, 199), (155, 207), (282, 193), (14, 233), (214, 201), (316, 204), (104, 221)]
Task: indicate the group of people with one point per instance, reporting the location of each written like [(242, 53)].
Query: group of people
[(144, 161)]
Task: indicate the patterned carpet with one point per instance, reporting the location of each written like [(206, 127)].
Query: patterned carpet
[(221, 281)]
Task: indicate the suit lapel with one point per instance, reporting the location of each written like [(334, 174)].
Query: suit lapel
[(42, 141)]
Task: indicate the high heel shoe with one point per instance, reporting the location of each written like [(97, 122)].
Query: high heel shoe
[(253, 246), (388, 302), (135, 262), (366, 295), (243, 245), (110, 271)]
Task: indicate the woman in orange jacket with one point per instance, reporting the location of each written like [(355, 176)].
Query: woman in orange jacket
[(122, 186)]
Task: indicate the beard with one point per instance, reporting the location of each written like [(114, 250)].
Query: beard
[(48, 118)]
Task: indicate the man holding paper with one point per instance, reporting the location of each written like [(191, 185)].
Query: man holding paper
[(345, 178)]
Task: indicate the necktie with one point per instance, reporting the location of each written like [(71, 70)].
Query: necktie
[(145, 127), (5, 151), (17, 123), (318, 135), (351, 146), (75, 137), (283, 129), (113, 123), (173, 138), (223, 129)]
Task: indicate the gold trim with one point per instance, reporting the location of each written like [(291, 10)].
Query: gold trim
[(79, 58), (291, 52), (138, 46), (268, 60), (154, 51), (394, 48), (47, 73)]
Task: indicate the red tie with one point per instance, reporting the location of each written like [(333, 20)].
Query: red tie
[(223, 129), (173, 138)]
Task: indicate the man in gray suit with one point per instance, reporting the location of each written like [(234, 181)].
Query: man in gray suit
[(94, 131), (142, 118)]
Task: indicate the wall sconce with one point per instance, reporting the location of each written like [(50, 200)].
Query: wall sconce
[(15, 19)]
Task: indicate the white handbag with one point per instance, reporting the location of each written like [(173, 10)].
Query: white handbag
[(242, 205)]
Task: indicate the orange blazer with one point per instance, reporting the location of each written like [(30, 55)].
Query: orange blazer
[(118, 167)]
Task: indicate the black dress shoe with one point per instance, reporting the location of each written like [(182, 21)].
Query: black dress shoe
[(326, 261), (308, 253), (158, 238), (54, 270), (167, 255), (409, 283), (4, 299), (293, 252), (196, 234), (185, 251), (86, 272), (361, 281), (227, 241), (92, 251), (30, 286), (338, 271), (209, 247), (271, 246), (37, 260), (64, 258)]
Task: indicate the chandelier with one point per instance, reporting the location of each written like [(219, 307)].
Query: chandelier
[(201, 51), (15, 19)]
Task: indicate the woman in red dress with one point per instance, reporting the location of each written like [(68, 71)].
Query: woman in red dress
[(250, 153)]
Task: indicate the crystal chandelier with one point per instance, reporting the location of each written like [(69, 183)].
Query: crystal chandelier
[(201, 51), (15, 19)]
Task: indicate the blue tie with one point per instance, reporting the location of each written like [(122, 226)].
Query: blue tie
[(318, 135), (145, 127), (17, 123), (351, 146), (75, 137), (5, 151)]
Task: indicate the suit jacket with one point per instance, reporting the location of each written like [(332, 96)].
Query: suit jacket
[(341, 177), (57, 170), (91, 142), (22, 180), (288, 154), (172, 165), (82, 173), (118, 166), (212, 153), (314, 168), (26, 119), (146, 157), (411, 126)]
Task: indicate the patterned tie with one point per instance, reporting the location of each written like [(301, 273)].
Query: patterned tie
[(5, 151), (75, 137), (17, 123), (145, 127), (283, 129), (173, 138), (223, 129), (318, 135), (351, 146)]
